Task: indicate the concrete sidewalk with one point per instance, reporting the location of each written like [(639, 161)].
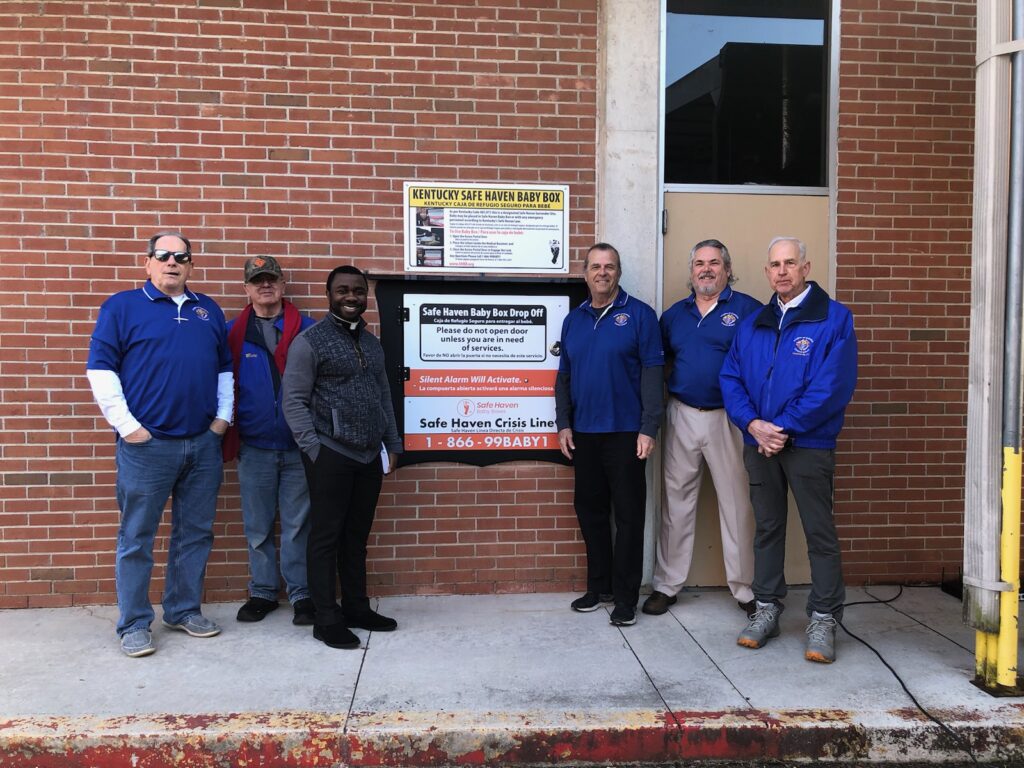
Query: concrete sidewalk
[(500, 680)]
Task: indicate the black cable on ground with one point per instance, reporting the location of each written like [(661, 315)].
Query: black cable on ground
[(960, 742)]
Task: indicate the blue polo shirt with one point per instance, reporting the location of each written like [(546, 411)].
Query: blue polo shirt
[(168, 358), (695, 346), (604, 351)]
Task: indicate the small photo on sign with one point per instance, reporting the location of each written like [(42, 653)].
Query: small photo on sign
[(429, 257)]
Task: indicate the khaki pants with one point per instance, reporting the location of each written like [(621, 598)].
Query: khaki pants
[(692, 438)]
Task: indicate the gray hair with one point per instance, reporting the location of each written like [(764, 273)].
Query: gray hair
[(726, 258), (168, 233), (786, 239)]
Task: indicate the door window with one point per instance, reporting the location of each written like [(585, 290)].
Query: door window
[(746, 97)]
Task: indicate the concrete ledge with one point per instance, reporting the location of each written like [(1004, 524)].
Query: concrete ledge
[(512, 680), (297, 739)]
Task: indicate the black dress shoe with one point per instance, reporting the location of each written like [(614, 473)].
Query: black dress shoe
[(372, 621), (335, 636), (749, 607), (255, 609), (305, 613), (658, 603)]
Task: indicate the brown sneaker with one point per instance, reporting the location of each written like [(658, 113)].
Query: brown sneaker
[(658, 603)]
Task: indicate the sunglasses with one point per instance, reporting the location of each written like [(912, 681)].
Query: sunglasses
[(181, 257)]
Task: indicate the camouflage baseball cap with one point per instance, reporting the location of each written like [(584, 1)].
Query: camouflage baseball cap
[(260, 265)]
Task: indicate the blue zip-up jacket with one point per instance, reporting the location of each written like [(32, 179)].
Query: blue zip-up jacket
[(258, 413), (799, 377)]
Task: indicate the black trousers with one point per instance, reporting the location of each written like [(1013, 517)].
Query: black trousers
[(610, 478), (808, 473), (343, 500)]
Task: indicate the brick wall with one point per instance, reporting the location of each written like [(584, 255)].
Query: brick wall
[(904, 241), (259, 130), (291, 131)]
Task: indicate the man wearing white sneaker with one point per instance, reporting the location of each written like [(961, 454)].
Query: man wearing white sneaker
[(786, 382), (160, 370)]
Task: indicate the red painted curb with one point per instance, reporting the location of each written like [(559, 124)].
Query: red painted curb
[(429, 740)]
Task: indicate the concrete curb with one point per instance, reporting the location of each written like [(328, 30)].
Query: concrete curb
[(414, 739)]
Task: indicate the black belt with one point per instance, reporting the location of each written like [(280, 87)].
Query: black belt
[(698, 408)]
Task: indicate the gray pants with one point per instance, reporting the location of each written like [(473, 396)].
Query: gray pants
[(808, 473)]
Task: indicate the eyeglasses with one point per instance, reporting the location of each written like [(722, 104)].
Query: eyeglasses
[(181, 257)]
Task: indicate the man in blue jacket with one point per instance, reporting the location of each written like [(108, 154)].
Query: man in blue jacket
[(608, 407), (270, 471), (697, 333), (786, 383)]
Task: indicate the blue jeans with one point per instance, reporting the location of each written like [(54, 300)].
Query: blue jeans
[(273, 480), (147, 473)]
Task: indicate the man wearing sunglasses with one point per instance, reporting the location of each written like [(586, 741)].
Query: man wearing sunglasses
[(160, 370), (270, 473)]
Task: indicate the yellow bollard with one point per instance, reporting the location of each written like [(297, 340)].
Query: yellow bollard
[(1009, 570)]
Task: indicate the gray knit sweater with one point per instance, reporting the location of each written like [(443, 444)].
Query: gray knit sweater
[(336, 393)]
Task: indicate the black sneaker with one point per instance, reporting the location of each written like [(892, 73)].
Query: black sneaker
[(623, 615), (749, 607), (372, 621), (256, 609), (591, 601), (335, 636), (305, 613)]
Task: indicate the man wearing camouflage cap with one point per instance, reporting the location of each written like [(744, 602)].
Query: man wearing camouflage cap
[(270, 469)]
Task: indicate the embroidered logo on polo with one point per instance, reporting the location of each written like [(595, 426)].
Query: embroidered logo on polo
[(201, 313), (729, 318), (621, 318), (802, 346)]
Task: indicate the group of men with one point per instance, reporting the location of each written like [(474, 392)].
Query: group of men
[(313, 431), (757, 393)]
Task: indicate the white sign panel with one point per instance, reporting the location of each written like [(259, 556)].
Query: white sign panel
[(481, 371), (483, 228)]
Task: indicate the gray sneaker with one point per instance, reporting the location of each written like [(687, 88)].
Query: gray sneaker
[(821, 638), (763, 625), (196, 625), (137, 642)]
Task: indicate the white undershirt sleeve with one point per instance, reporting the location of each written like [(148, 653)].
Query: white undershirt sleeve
[(225, 396), (106, 388)]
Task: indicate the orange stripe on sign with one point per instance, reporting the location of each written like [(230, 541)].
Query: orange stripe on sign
[(488, 441), (461, 383)]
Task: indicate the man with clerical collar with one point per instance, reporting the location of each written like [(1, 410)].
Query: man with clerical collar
[(337, 401)]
